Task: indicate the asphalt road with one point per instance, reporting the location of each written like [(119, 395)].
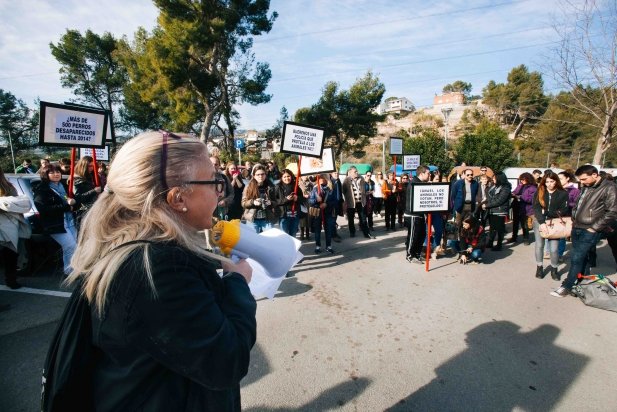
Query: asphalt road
[(364, 330)]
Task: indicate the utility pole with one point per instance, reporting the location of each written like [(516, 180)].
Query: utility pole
[(12, 154), (383, 158), (446, 116)]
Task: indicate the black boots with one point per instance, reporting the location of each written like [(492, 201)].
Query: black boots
[(554, 274), (539, 272)]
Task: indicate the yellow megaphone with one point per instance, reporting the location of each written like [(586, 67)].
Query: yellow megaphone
[(271, 253)]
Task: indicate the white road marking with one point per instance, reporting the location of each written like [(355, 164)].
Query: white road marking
[(37, 291)]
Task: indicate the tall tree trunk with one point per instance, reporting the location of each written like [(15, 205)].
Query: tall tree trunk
[(205, 128), (518, 129), (604, 141)]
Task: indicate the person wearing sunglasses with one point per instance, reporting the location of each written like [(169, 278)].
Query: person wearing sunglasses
[(259, 201), (463, 197), (169, 332)]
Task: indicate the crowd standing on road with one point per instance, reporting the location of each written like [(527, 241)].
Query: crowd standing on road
[(264, 196)]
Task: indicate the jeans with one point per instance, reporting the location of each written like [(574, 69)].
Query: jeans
[(561, 249), (351, 214), (437, 223), (68, 241), (261, 224), (290, 225), (498, 228), (329, 224), (553, 245), (582, 242)]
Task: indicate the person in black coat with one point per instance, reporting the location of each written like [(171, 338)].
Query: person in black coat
[(498, 206), (56, 211), (84, 188), (550, 202), (170, 333)]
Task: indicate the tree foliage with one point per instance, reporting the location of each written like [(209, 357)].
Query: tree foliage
[(587, 66), (458, 86), (430, 146), (90, 68), (346, 115), (197, 64), (17, 122), (488, 145), (520, 100)]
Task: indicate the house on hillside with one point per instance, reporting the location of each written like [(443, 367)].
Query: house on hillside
[(449, 99), (395, 105)]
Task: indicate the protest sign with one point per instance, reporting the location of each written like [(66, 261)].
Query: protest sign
[(311, 165), (302, 139), (411, 162), (67, 125), (396, 146), (101, 154), (429, 197)]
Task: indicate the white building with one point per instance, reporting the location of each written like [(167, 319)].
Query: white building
[(395, 105)]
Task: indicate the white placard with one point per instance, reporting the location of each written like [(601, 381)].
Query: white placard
[(429, 197), (62, 125), (396, 146), (311, 165), (411, 162), (302, 139), (101, 154)]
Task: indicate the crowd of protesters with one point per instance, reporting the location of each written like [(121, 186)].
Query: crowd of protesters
[(264, 196)]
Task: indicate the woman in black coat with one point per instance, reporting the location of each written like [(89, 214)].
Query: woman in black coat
[(84, 188), (498, 206), (56, 212), (551, 201), (170, 333)]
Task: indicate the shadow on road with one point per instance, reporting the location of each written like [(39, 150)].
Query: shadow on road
[(502, 370), (330, 399)]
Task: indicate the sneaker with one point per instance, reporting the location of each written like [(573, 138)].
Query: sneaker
[(330, 250), (416, 260), (560, 293), (318, 250), (539, 272)]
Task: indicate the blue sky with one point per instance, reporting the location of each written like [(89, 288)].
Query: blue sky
[(415, 47)]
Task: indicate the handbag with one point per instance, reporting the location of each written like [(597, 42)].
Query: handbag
[(557, 228), (314, 211), (67, 373)]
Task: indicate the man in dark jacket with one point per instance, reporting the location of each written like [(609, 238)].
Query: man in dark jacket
[(355, 197), (415, 222), (595, 211), (464, 193)]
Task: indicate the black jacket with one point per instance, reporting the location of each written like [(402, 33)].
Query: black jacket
[(84, 192), (596, 207), (556, 206), (185, 348), (51, 208), (498, 200)]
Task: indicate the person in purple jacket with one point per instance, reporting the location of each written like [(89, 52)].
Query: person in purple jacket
[(568, 181), (524, 193)]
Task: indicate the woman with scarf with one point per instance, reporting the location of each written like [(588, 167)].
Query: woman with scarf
[(471, 241), (259, 201), (323, 197), (289, 202), (56, 209)]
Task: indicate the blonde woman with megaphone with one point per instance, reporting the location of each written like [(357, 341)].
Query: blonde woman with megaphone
[(169, 332)]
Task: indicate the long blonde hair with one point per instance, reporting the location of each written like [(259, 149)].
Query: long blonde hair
[(134, 207)]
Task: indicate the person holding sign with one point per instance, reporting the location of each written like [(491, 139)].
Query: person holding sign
[(416, 223), (323, 197)]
